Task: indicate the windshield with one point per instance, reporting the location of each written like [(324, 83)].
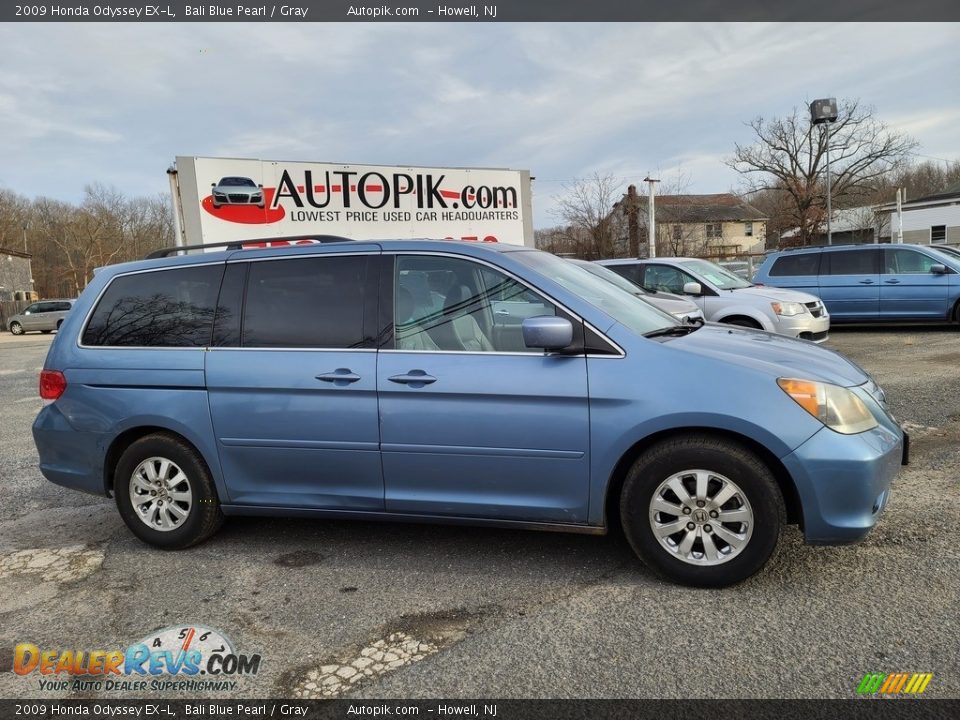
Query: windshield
[(623, 306), (610, 276), (716, 275), (237, 182)]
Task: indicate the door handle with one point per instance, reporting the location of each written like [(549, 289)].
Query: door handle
[(892, 282), (416, 378), (866, 282), (342, 376)]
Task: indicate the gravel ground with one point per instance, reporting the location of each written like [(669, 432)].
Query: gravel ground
[(377, 610)]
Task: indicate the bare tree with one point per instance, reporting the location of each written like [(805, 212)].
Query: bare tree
[(590, 228), (789, 157)]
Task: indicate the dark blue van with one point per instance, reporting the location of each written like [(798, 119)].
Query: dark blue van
[(871, 283)]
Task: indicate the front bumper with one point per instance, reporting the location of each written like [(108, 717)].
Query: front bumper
[(805, 326), (844, 481)]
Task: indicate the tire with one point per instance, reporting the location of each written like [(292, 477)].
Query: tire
[(16, 328), (139, 468), (743, 322), (59, 323), (46, 332), (750, 492)]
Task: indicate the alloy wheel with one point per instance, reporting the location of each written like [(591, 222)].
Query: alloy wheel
[(160, 493), (701, 517)]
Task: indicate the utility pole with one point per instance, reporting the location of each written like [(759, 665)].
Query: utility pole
[(824, 112), (633, 230), (900, 194), (651, 217), (829, 211)]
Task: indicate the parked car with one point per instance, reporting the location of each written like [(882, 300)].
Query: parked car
[(949, 249), (871, 283), (441, 381), (740, 268), (44, 316), (236, 191), (681, 308), (726, 298)]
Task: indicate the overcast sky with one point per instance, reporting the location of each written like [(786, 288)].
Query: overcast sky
[(115, 103)]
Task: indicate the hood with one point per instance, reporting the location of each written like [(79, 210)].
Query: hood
[(774, 293), (671, 303), (777, 355)]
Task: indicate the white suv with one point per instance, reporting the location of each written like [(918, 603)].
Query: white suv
[(725, 297)]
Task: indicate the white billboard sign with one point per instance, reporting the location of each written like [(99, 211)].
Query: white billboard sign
[(224, 200)]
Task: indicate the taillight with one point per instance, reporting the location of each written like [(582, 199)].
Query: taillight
[(52, 384)]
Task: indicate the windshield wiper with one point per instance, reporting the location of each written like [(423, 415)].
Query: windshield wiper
[(672, 331)]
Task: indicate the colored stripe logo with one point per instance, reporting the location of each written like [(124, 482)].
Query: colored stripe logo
[(894, 683)]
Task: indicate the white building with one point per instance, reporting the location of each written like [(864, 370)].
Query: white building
[(928, 220)]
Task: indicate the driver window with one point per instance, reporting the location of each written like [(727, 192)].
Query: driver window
[(456, 305), (663, 278), (907, 262)]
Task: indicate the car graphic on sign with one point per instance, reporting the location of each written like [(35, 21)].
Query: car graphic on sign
[(235, 190)]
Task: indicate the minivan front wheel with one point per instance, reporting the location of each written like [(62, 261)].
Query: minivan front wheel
[(165, 493), (702, 510), (16, 328)]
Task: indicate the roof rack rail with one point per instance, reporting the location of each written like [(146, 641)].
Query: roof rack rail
[(251, 244), (825, 246)]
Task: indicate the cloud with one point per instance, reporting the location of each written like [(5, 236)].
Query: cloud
[(116, 102)]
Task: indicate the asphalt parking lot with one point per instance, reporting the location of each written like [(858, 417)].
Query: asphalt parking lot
[(464, 612)]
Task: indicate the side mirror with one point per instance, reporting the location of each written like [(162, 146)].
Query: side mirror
[(213, 184), (547, 332), (692, 288), (260, 186), (938, 269)]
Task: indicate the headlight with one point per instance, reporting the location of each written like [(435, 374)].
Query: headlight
[(836, 407), (788, 309)]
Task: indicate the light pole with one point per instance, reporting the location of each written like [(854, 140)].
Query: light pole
[(651, 217), (824, 112)]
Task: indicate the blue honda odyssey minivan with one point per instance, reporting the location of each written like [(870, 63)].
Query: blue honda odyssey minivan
[(871, 283), (442, 381)]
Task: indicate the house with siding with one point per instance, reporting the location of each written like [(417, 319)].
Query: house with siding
[(715, 226), (930, 219)]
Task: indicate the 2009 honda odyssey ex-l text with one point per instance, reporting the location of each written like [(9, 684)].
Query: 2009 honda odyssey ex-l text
[(454, 382)]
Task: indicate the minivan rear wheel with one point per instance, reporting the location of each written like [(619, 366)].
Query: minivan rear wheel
[(165, 493), (16, 328), (702, 510)]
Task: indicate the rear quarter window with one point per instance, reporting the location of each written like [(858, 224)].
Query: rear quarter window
[(800, 264), (162, 308)]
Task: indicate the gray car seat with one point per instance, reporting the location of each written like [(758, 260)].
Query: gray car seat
[(463, 327), (410, 335)]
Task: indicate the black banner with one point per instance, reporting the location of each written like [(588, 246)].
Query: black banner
[(492, 11), (864, 709)]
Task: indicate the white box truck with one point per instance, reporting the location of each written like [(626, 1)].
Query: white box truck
[(220, 200)]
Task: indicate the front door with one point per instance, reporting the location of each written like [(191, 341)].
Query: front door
[(473, 423), (908, 288), (293, 394)]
